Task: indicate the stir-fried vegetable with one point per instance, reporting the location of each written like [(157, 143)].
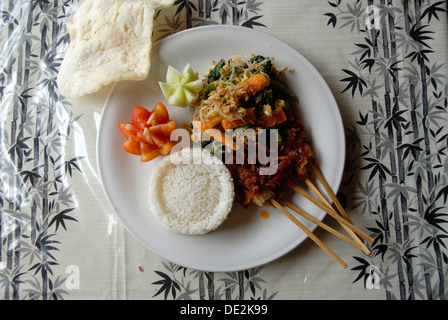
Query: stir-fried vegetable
[(243, 91)]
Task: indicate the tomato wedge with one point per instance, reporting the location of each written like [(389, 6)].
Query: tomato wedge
[(140, 116), (148, 135), (166, 148), (132, 146), (164, 129), (149, 152), (159, 140), (159, 115), (128, 129)]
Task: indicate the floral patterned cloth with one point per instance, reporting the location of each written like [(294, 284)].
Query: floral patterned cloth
[(387, 65)]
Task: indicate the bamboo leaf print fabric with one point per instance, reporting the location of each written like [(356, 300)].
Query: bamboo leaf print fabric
[(404, 142), (386, 63)]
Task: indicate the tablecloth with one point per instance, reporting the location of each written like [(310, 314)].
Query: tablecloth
[(386, 63)]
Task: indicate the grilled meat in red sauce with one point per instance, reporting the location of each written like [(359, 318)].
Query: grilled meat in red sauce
[(293, 155)]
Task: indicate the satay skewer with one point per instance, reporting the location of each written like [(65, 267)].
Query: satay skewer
[(322, 225), (341, 220), (328, 209), (311, 235), (327, 187)]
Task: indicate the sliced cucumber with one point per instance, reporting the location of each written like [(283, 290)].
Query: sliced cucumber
[(181, 89), (173, 76), (188, 74), (167, 89)]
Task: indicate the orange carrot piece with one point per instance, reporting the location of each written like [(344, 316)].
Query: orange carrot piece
[(213, 122), (277, 117), (231, 124), (228, 124), (258, 82)]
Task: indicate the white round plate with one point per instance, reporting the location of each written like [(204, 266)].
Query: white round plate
[(245, 240)]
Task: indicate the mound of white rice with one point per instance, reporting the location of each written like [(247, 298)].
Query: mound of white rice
[(191, 192)]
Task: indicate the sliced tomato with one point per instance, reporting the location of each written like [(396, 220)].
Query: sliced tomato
[(140, 116), (149, 152), (164, 129), (159, 140), (166, 148), (139, 136), (128, 129), (158, 115), (132, 145), (148, 135)]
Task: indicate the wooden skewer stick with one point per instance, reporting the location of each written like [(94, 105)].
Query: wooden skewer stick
[(309, 233), (326, 206), (322, 225), (341, 220), (327, 187)]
